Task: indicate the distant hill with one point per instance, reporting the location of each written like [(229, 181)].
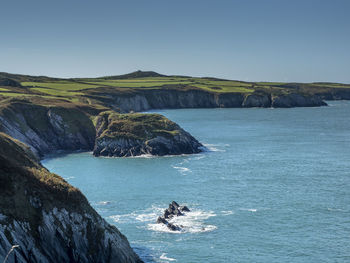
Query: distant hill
[(136, 74)]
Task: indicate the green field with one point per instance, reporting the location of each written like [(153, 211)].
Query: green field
[(80, 89)]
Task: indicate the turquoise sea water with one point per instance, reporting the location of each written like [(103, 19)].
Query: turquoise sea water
[(273, 187)]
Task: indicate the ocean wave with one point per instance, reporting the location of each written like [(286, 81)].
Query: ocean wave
[(199, 157), (227, 213), (336, 209), (104, 202), (167, 259), (249, 209), (181, 169), (213, 147), (190, 222), (69, 177), (147, 215)]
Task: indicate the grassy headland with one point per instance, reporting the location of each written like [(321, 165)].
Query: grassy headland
[(90, 90)]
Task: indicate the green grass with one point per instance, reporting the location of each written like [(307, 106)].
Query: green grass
[(57, 92), (60, 85), (137, 126), (86, 89), (137, 84)]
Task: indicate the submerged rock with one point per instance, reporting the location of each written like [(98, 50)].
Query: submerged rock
[(172, 211), (124, 135)]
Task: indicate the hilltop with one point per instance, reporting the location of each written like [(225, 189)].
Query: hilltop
[(144, 90)]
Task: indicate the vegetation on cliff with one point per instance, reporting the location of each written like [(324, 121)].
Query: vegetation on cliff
[(137, 126), (49, 219), (99, 90), (135, 134), (47, 125)]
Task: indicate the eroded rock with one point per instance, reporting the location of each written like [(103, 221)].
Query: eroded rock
[(172, 211)]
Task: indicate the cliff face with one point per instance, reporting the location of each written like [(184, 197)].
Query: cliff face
[(124, 135), (297, 100), (56, 127), (50, 220), (47, 128), (173, 98)]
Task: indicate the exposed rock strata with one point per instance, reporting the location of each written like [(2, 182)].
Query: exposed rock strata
[(296, 100), (50, 220), (47, 129), (173, 98), (124, 135)]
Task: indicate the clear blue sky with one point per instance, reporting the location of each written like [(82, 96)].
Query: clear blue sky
[(274, 40)]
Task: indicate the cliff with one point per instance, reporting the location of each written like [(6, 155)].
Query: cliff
[(50, 220), (124, 135), (176, 98), (48, 126)]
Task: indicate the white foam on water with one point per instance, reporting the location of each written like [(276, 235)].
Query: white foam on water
[(68, 178), (146, 156), (227, 213), (190, 222), (198, 157), (126, 218), (249, 209), (181, 169), (167, 259), (147, 215), (336, 209), (213, 148), (104, 202)]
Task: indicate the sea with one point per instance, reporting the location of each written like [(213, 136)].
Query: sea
[(272, 185)]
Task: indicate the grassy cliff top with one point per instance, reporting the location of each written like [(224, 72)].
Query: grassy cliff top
[(80, 89), (135, 126), (22, 177)]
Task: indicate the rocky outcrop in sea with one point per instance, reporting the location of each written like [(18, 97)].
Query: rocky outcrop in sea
[(172, 211), (124, 135)]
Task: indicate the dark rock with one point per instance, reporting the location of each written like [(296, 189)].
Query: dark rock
[(9, 82), (161, 220), (296, 100), (167, 213), (124, 135), (175, 204), (184, 209), (51, 220), (173, 227), (172, 211)]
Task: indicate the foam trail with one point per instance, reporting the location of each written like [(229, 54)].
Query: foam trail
[(212, 148), (227, 213), (164, 257), (249, 209), (181, 169), (104, 202), (68, 178)]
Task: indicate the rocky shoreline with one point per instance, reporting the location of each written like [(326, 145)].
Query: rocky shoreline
[(125, 135), (68, 127), (48, 219)]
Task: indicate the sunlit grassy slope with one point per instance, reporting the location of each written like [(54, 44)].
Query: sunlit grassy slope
[(73, 89)]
